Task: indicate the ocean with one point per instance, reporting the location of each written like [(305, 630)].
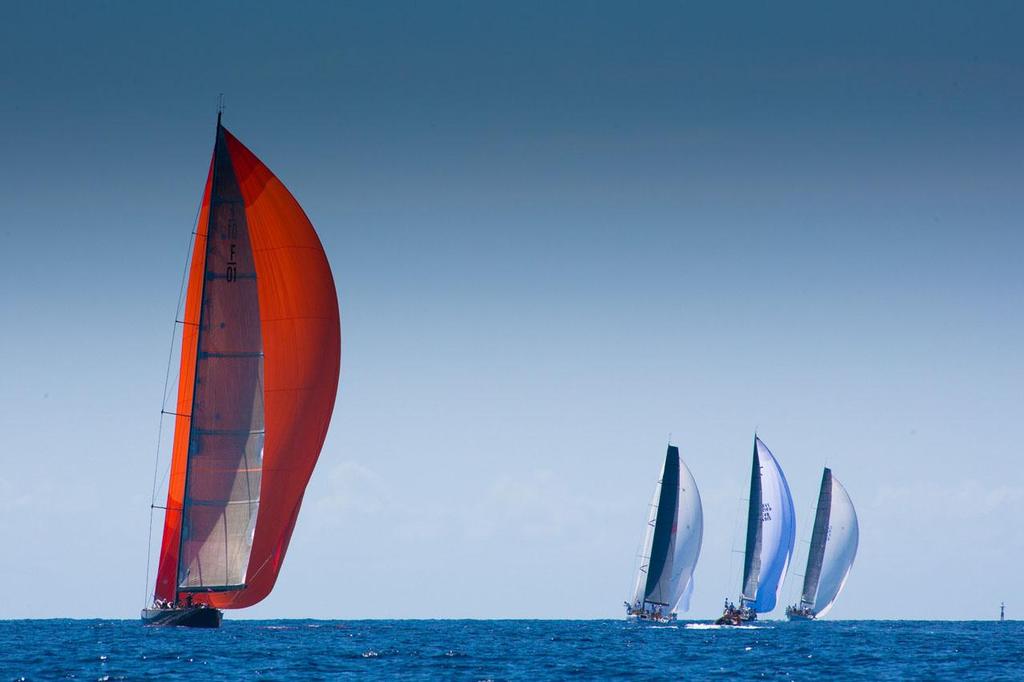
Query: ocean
[(511, 650)]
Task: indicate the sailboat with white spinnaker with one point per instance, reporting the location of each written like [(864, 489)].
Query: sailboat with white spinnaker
[(671, 546), (833, 548)]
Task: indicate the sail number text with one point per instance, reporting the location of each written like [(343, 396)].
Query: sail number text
[(232, 272)]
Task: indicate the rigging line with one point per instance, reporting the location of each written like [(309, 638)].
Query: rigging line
[(638, 564), (163, 402), (178, 311), (732, 554), (800, 557), (215, 195)]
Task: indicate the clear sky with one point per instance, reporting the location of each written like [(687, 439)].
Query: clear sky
[(560, 232)]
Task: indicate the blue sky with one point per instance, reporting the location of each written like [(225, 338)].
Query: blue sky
[(559, 234)]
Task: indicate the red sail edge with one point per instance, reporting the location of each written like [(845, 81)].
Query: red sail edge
[(301, 333), (167, 568)]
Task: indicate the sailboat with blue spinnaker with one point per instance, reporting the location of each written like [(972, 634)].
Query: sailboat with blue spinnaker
[(771, 536)]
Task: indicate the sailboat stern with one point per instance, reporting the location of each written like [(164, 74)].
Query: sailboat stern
[(189, 617)]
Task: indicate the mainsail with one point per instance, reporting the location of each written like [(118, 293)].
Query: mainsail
[(833, 547), (771, 532), (671, 547), (260, 359)]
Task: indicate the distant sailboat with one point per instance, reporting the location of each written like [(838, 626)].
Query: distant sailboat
[(260, 358), (771, 535), (833, 549), (671, 546)]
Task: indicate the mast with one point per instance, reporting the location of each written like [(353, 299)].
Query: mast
[(752, 551), (819, 537)]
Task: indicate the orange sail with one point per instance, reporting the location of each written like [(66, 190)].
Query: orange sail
[(260, 359)]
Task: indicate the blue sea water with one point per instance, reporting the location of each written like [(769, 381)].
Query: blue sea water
[(510, 650)]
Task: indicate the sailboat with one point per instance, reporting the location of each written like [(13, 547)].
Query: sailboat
[(833, 549), (671, 546), (260, 359), (771, 535)]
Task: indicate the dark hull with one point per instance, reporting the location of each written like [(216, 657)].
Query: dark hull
[(194, 617), (737, 617)]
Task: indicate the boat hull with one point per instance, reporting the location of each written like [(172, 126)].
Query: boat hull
[(737, 617), (799, 614), (651, 618), (194, 617)]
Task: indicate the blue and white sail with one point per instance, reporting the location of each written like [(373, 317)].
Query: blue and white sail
[(672, 539), (833, 547), (771, 532)]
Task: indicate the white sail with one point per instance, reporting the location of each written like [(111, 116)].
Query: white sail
[(645, 547), (672, 539), (684, 601), (840, 550), (689, 535)]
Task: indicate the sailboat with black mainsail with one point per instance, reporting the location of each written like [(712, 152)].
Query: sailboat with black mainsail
[(671, 546), (833, 549), (771, 536), (260, 360)]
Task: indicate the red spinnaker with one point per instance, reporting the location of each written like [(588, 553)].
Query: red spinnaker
[(300, 332)]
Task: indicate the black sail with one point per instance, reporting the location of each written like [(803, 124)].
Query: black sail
[(752, 552), (657, 589), (818, 539)]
